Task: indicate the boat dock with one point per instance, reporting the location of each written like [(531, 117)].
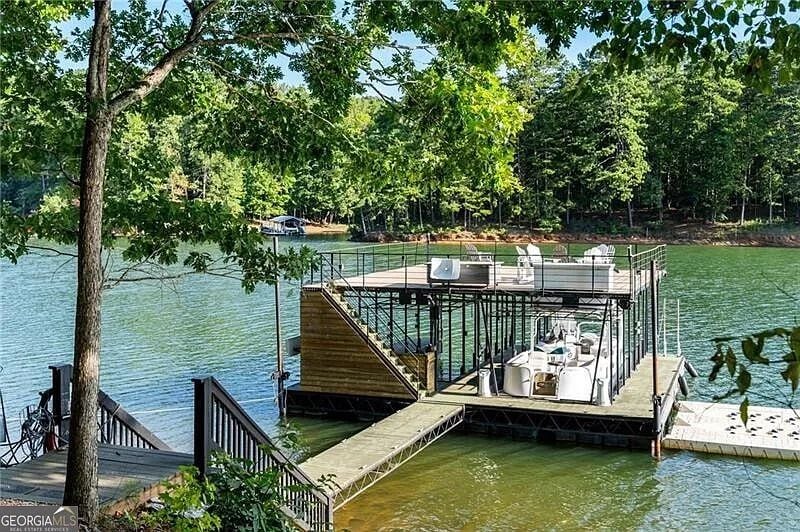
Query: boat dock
[(127, 476), (380, 330), (718, 429), (361, 460)]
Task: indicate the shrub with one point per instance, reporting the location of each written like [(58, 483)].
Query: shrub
[(245, 500), (232, 497)]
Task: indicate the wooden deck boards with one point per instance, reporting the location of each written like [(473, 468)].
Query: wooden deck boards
[(415, 278), (717, 428), (366, 452), (635, 400), (124, 472)]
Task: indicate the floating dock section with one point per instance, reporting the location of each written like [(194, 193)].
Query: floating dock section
[(628, 422), (717, 428), (358, 462)]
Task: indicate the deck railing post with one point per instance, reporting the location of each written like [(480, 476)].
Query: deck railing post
[(391, 321), (62, 378), (202, 424), (630, 271)]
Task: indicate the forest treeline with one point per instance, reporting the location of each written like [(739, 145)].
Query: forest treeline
[(546, 143)]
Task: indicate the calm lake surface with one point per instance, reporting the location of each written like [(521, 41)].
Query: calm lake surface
[(157, 337)]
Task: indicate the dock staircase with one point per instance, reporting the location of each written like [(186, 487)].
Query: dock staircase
[(365, 327)]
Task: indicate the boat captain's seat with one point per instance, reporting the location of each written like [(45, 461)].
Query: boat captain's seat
[(444, 270), (519, 372)]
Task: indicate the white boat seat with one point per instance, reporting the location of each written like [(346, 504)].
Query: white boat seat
[(445, 269), (519, 372), (575, 384)]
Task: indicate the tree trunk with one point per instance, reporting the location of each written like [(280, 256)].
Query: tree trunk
[(363, 223), (500, 211), (741, 213), (630, 214), (770, 201), (744, 193), (80, 487)]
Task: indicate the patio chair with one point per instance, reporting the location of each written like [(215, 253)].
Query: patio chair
[(593, 255), (534, 254), (560, 253), (524, 267), (478, 256), (610, 252)]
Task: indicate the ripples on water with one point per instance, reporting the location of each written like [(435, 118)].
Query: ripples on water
[(155, 339)]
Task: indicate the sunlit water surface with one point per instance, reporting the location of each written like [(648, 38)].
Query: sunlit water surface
[(157, 337)]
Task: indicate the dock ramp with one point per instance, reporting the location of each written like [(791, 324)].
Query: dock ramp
[(717, 428), (361, 460)]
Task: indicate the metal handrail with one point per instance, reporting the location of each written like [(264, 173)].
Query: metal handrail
[(355, 261), (386, 320), (222, 424), (118, 427), (115, 425)]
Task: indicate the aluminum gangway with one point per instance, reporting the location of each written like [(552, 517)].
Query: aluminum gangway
[(358, 462)]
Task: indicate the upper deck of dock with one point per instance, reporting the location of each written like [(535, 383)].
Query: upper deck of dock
[(390, 268)]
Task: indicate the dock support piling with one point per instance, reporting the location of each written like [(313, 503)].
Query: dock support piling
[(280, 375), (654, 342)]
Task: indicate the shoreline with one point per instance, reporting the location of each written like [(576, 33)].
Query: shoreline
[(707, 238)]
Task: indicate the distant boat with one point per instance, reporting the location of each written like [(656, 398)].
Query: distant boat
[(284, 226)]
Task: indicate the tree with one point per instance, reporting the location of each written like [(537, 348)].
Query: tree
[(156, 43)]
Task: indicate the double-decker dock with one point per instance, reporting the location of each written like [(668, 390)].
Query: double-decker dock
[(380, 331)]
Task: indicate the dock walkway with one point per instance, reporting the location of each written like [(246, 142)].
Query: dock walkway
[(127, 476), (633, 402), (361, 460), (717, 428)]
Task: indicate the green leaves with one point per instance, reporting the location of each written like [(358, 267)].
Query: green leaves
[(792, 374), (743, 407), (752, 350), (755, 349), (743, 380)]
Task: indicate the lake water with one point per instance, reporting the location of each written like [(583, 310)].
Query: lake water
[(157, 337)]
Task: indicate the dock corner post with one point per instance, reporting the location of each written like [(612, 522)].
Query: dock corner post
[(202, 424), (331, 501), (280, 374), (656, 450), (654, 343), (654, 324), (62, 378)]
